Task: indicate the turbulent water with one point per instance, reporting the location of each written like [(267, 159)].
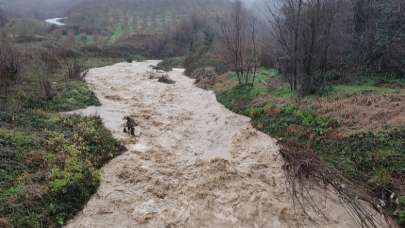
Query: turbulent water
[(193, 163)]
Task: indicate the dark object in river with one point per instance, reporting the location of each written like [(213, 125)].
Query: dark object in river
[(165, 79), (130, 126)]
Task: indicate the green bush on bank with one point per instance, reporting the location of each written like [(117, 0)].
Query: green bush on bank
[(289, 121), (169, 63), (58, 159), (49, 164), (238, 97), (74, 95)]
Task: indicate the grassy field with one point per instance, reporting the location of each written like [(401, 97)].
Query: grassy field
[(121, 19)]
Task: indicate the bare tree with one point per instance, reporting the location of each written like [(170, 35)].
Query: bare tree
[(41, 70), (238, 35), (9, 67), (254, 62), (75, 70), (46, 88), (303, 30), (286, 24), (317, 39), (193, 32)]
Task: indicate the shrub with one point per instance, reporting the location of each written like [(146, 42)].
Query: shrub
[(49, 166), (129, 59), (238, 98), (169, 63), (46, 89), (74, 70), (203, 58), (165, 79), (204, 77), (74, 95), (72, 184)]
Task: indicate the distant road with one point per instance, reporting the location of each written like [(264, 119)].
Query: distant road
[(56, 21)]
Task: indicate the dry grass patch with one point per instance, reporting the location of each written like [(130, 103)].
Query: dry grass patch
[(362, 113)]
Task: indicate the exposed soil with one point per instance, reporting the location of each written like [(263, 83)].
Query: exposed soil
[(193, 163)]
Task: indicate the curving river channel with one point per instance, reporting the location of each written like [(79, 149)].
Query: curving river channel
[(193, 163)]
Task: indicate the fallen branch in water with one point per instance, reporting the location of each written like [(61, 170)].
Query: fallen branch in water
[(304, 168)]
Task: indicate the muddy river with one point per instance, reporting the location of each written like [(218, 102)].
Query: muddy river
[(193, 163)]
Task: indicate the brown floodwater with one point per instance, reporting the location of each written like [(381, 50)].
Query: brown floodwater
[(193, 163)]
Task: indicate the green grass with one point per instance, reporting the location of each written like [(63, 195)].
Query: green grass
[(261, 87), (265, 76), (50, 166), (262, 77), (73, 95), (50, 163), (238, 97), (276, 119), (357, 87), (284, 92)]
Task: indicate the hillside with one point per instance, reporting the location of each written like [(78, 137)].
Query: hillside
[(37, 8), (102, 22), (109, 21)]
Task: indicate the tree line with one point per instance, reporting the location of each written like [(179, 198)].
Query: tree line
[(311, 42), (316, 41)]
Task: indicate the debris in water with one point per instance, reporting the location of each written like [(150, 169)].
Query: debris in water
[(165, 79), (130, 126)]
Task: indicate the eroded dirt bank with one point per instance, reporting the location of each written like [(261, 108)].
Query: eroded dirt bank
[(194, 164)]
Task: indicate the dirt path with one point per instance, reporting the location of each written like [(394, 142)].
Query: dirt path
[(195, 164)]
